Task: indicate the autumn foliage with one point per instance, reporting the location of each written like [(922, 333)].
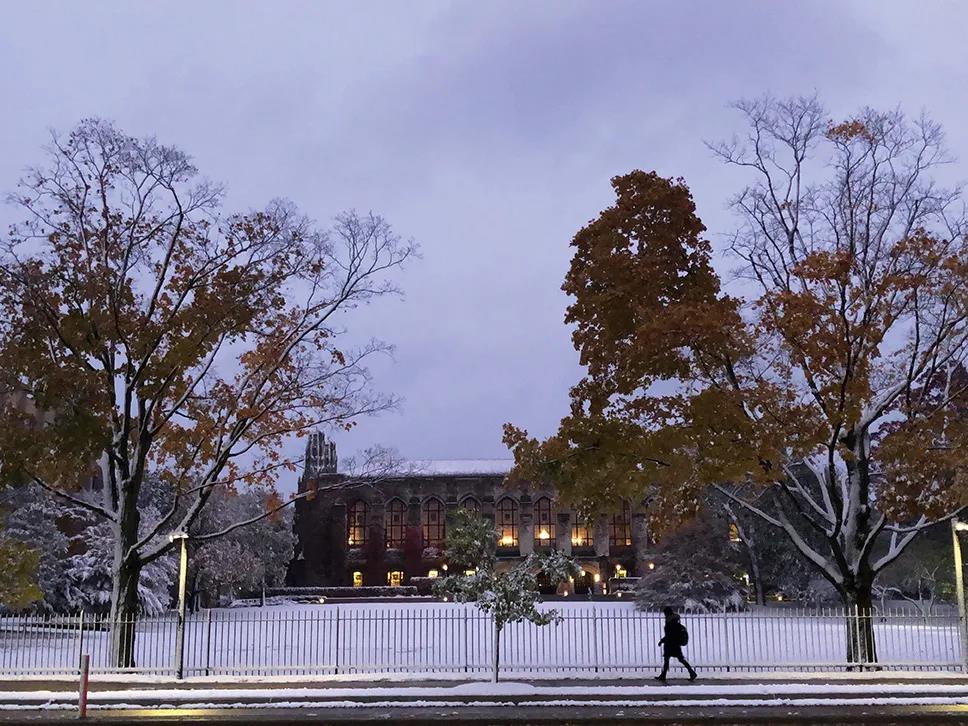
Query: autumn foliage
[(828, 372)]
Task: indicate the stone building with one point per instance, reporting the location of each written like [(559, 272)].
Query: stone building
[(392, 528)]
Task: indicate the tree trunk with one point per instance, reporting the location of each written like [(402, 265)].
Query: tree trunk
[(861, 644), (759, 592), (124, 612)]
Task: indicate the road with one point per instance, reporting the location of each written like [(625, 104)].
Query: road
[(522, 716)]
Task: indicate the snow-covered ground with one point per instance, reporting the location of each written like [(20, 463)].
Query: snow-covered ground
[(428, 638)]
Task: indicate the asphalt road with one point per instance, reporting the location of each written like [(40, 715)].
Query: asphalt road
[(482, 716)]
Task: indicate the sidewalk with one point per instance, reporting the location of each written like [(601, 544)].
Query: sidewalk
[(281, 692)]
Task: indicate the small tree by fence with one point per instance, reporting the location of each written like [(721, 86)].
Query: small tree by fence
[(510, 596)]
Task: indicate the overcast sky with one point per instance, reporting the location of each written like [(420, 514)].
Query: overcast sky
[(487, 131)]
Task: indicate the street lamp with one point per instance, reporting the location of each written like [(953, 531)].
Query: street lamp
[(957, 527), (182, 580)]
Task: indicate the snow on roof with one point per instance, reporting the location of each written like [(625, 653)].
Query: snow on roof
[(457, 467)]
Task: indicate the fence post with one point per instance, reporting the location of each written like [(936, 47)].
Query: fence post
[(497, 652), (80, 638), (466, 645), (336, 657), (595, 637), (208, 641), (729, 647)]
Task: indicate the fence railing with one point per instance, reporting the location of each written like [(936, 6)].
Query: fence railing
[(439, 638)]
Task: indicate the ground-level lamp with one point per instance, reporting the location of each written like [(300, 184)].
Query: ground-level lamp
[(956, 527), (182, 581)]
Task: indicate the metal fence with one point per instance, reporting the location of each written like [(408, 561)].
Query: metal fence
[(438, 638)]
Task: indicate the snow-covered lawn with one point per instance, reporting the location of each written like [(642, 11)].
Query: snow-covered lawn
[(426, 638)]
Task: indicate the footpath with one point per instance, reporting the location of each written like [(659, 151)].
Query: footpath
[(21, 698)]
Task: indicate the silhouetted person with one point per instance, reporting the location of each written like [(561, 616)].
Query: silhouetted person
[(673, 639)]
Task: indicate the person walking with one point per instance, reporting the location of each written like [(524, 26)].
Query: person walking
[(674, 637)]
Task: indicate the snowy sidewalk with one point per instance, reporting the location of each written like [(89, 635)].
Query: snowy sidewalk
[(754, 690)]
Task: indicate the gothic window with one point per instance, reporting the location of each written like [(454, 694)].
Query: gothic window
[(544, 523), (581, 534), (620, 527), (470, 503), (395, 524), (506, 515), (433, 523), (356, 524)]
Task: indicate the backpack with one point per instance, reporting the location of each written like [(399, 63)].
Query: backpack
[(682, 635)]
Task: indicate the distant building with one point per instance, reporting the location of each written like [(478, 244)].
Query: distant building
[(392, 529)]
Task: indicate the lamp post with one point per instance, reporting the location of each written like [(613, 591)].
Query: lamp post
[(957, 527), (182, 580)]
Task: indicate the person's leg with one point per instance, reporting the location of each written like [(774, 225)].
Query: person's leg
[(665, 668), (692, 671)]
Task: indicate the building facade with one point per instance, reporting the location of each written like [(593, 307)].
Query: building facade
[(388, 530)]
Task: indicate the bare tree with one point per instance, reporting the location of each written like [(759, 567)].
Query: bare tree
[(162, 336)]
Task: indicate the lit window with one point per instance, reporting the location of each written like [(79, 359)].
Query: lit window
[(357, 579), (433, 523), (621, 571), (433, 573), (544, 524), (395, 524), (620, 528), (581, 535), (507, 522), (395, 578), (356, 525)]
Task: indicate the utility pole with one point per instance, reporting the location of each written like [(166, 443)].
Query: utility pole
[(956, 527)]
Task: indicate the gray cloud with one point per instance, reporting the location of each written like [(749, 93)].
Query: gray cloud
[(487, 131)]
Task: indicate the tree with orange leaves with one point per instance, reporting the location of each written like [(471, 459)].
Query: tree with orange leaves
[(825, 393), (166, 341)]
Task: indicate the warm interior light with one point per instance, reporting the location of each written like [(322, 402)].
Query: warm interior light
[(470, 572), (597, 578), (350, 542), (507, 540), (651, 565), (543, 534), (433, 573)]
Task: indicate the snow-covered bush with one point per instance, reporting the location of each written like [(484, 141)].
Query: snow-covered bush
[(76, 554)]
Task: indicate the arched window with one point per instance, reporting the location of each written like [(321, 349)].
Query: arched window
[(506, 514), (433, 523), (471, 504), (356, 524), (395, 524), (581, 534), (544, 523), (620, 527)]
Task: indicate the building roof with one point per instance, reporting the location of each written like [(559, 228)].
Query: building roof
[(458, 467)]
